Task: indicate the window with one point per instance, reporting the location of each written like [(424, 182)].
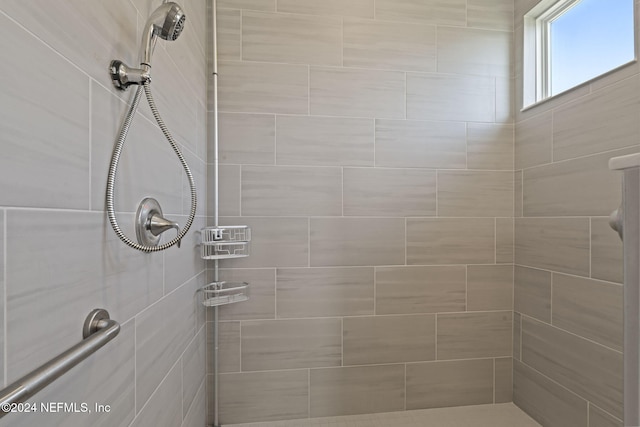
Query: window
[(569, 42)]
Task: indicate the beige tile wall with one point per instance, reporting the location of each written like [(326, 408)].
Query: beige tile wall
[(568, 274), (59, 257), (370, 146)]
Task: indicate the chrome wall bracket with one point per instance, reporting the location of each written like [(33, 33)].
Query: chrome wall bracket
[(150, 223), (123, 76)]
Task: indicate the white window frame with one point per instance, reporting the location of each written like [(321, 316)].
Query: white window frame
[(537, 55)]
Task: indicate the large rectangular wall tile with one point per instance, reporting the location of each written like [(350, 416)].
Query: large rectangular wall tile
[(268, 5), (162, 333), (275, 242), (152, 166), (261, 304), (86, 270), (404, 290), (474, 52), (473, 335), (451, 97), (588, 369), (451, 12), (292, 39), (532, 293), (291, 191), (503, 380), (534, 141), (357, 390), (89, 51), (492, 15), (589, 308), (46, 165), (451, 241), (517, 202), (579, 187), (545, 401), (2, 289), (106, 376), (264, 396), (489, 287), (389, 45), (357, 8), (443, 384), (389, 339), (599, 418), (324, 292), (559, 244), (517, 321), (228, 344), (263, 88), (324, 141), (194, 368), (229, 35), (291, 344), (490, 146), (357, 241), (601, 121), (228, 190), (606, 252), (389, 192), (357, 93), (413, 144), (246, 139), (504, 240), (475, 193)]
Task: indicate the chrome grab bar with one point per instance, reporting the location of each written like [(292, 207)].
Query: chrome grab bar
[(98, 330)]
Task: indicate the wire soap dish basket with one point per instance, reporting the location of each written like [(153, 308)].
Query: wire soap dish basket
[(222, 293), (225, 242)]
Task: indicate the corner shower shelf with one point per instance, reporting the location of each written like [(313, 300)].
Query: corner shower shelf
[(225, 242), (222, 293)]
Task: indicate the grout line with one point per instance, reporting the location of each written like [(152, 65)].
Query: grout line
[(342, 42), (135, 366), (435, 325), (342, 188), (90, 180), (241, 38), (308, 90), (342, 341), (494, 380), (309, 392), (590, 248), (405, 242), (375, 290), (495, 240), (275, 293), (275, 139), (437, 205), (240, 345), (308, 241), (588, 410), (5, 293), (405, 386), (466, 288), (551, 299), (406, 85)]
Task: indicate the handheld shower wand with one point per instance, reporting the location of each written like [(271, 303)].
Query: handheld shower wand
[(166, 22)]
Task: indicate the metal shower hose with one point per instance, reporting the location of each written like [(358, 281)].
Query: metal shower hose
[(113, 168)]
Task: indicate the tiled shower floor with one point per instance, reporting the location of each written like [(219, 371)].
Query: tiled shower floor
[(502, 415)]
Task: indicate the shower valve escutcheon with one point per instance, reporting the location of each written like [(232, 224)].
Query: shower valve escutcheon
[(150, 223)]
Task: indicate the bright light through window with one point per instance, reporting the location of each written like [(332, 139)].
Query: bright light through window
[(589, 39), (569, 42)]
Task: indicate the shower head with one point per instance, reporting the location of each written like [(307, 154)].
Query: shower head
[(166, 22)]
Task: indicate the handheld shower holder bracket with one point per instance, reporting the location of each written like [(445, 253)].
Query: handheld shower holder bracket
[(123, 76)]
